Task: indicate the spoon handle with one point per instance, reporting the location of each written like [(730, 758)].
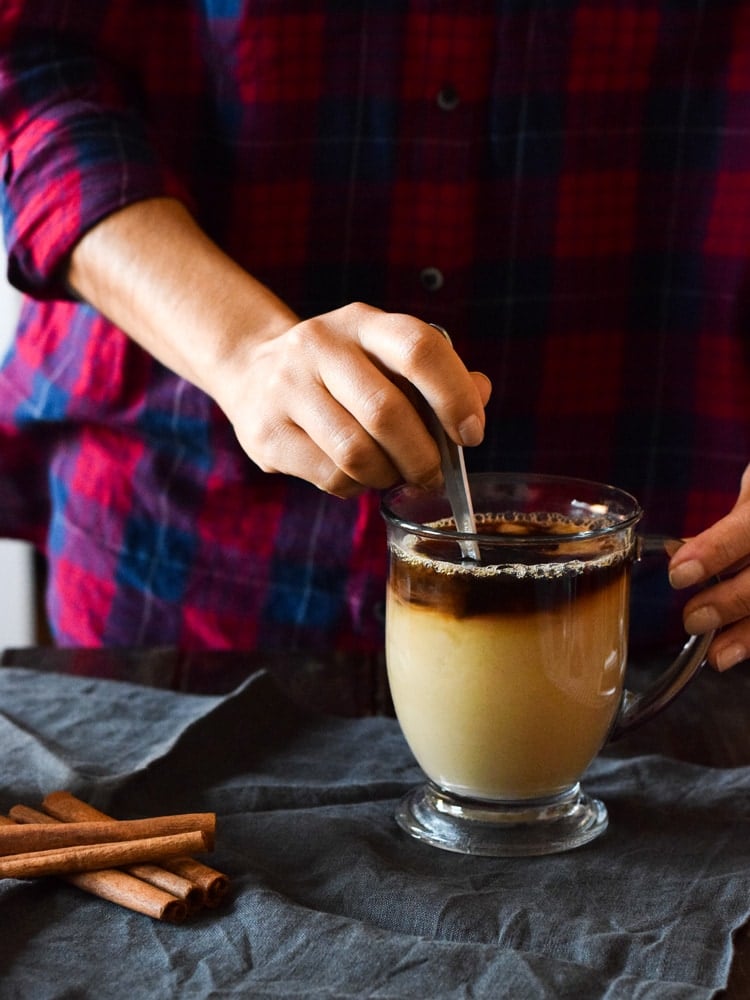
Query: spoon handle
[(457, 488), (456, 481)]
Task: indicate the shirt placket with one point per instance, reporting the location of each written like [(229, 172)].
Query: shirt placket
[(440, 143)]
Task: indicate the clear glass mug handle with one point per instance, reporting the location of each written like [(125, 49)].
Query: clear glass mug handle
[(638, 707)]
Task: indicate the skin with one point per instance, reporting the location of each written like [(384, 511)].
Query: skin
[(327, 399), (722, 550), (330, 399)]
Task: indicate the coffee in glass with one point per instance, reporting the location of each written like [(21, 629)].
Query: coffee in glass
[(507, 673)]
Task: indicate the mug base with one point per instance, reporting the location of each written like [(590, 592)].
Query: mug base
[(501, 829)]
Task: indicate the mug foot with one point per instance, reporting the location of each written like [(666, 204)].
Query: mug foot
[(501, 829)]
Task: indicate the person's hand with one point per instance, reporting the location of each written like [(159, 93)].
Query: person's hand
[(722, 550), (330, 400)]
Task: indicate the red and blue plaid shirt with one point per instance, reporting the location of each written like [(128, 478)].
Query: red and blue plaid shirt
[(564, 186)]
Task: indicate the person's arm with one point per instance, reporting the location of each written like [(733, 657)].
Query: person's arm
[(86, 204), (721, 550), (319, 399)]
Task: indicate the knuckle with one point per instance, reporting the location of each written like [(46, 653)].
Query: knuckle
[(265, 441), (313, 335), (376, 409), (419, 349), (336, 482), (304, 336), (741, 604), (430, 475), (725, 550), (360, 311), (351, 451)]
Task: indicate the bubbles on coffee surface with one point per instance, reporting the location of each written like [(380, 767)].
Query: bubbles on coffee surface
[(546, 546)]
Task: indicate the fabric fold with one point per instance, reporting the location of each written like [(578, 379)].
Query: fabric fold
[(330, 898)]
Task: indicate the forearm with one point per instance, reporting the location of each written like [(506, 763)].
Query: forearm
[(153, 272), (321, 398)]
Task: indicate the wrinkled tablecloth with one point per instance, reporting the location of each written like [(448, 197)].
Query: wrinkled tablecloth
[(329, 898)]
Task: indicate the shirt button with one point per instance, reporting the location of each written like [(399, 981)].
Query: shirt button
[(447, 98), (431, 278)]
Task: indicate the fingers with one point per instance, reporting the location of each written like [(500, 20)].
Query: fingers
[(730, 648), (723, 550), (419, 353), (298, 429), (298, 455), (483, 385), (370, 426), (330, 400), (359, 421), (725, 606), (364, 418), (360, 417)]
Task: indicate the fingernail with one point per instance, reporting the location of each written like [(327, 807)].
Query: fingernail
[(471, 432), (702, 620), (687, 574), (730, 656)]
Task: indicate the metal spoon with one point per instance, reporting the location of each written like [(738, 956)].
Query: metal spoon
[(456, 481)]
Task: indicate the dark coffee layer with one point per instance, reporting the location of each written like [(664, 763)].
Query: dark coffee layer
[(431, 574)]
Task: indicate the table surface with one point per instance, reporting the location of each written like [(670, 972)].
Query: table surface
[(705, 726)]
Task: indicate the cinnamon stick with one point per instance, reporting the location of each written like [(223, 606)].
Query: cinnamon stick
[(89, 857), (118, 887), (18, 839), (125, 890), (193, 896), (214, 885)]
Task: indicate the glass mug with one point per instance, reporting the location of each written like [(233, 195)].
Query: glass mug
[(507, 674)]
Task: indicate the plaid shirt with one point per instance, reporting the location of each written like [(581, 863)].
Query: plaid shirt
[(564, 186)]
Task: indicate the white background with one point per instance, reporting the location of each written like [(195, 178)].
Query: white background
[(16, 587)]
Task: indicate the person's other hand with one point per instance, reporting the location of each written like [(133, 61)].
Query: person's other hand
[(722, 550), (330, 400)]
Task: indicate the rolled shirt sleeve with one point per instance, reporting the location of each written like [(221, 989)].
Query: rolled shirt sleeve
[(75, 146)]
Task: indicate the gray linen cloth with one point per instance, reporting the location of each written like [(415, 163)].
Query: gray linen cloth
[(329, 898)]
